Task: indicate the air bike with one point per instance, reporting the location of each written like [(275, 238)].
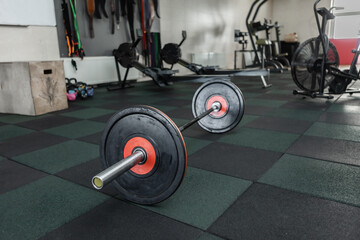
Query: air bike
[(313, 71), (171, 54)]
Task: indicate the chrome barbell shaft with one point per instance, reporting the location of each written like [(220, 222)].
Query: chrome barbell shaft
[(117, 169)]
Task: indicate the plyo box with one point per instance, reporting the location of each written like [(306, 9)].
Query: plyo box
[(32, 88)]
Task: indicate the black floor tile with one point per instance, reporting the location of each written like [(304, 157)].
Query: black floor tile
[(103, 118), (14, 175), (83, 173), (327, 149), (257, 110), (304, 104), (236, 161), (280, 124), (265, 212), (118, 106), (272, 96), (47, 122), (28, 143), (340, 118), (118, 220), (182, 113), (93, 138), (195, 131), (174, 102)]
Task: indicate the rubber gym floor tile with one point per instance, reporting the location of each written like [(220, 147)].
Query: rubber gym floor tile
[(1, 158), (46, 204), (93, 138), (104, 118), (264, 102), (88, 113), (11, 131), (336, 131), (241, 162), (28, 143), (10, 172), (179, 122), (248, 95), (274, 90), (327, 149), (77, 129), (208, 236), (299, 114), (261, 139), (174, 102), (182, 113), (92, 102), (265, 212), (328, 180), (117, 106), (193, 145), (164, 108), (340, 108), (305, 104), (115, 219), (47, 122), (280, 124), (83, 173), (59, 157), (257, 110), (145, 100), (273, 96), (13, 119), (340, 118), (202, 198)]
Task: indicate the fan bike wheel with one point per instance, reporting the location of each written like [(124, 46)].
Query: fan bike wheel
[(306, 64)]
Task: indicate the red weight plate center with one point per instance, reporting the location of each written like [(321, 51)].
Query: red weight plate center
[(222, 101), (136, 142)]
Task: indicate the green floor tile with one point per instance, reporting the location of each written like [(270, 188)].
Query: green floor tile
[(264, 102), (141, 93), (179, 122), (193, 144), (208, 236), (1, 158), (145, 100), (77, 129), (336, 131), (31, 211), (60, 157), (262, 139), (279, 91), (202, 197), (247, 118), (344, 108), (298, 114), (11, 131), (319, 178), (88, 113), (13, 119)]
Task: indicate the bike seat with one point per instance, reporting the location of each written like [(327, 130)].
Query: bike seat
[(325, 12)]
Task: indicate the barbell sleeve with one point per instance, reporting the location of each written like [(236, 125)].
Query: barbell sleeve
[(114, 171)]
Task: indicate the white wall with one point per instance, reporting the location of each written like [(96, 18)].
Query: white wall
[(297, 16), (209, 24), (33, 43)]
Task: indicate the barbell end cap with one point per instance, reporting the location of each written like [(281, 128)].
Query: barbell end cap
[(97, 183)]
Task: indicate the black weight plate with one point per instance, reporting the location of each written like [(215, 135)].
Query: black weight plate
[(233, 107), (171, 158), (171, 53), (126, 54)]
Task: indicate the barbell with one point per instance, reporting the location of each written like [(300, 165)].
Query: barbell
[(143, 152)]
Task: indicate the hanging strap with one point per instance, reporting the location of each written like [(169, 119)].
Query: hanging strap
[(91, 10), (68, 31)]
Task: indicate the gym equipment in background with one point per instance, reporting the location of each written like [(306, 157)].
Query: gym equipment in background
[(171, 54), (315, 63), (143, 152), (261, 45)]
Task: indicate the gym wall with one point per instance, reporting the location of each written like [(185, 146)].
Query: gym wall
[(209, 24), (297, 16)]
